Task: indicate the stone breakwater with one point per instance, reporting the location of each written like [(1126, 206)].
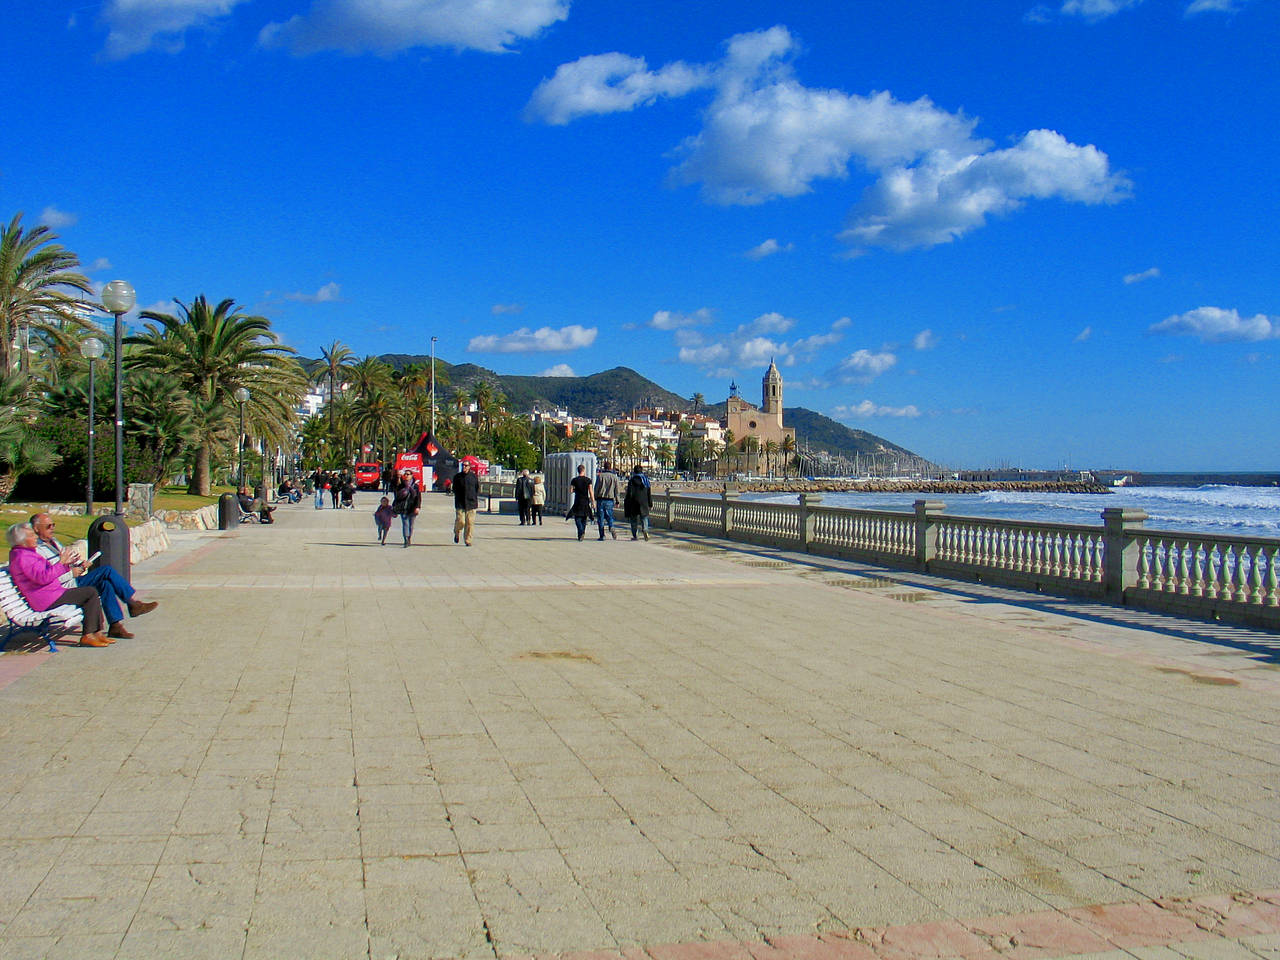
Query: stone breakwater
[(884, 486)]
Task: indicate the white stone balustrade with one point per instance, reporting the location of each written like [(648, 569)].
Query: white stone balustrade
[(1213, 577)]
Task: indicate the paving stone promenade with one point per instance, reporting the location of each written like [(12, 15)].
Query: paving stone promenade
[(677, 750)]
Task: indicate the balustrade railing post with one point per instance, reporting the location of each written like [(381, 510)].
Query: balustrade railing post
[(927, 514), (1120, 550), (727, 500), (808, 519)]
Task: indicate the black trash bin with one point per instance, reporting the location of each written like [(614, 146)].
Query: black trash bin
[(109, 536), (228, 512)]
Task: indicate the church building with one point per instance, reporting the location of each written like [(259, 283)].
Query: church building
[(765, 421)]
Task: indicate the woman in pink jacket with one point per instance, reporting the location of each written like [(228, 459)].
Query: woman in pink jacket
[(40, 583)]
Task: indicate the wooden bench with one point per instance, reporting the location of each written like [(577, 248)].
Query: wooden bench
[(46, 624)]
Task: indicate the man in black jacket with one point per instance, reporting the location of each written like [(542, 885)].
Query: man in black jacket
[(524, 496), (466, 499)]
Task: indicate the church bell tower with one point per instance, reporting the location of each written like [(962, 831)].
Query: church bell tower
[(771, 390)]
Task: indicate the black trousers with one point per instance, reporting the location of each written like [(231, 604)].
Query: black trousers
[(523, 506), (86, 598)]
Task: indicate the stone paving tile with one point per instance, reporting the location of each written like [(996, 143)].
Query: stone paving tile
[(537, 747)]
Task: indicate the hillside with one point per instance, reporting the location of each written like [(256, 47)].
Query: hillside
[(612, 393)]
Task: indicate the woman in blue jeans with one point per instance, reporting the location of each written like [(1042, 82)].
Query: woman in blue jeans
[(407, 502)]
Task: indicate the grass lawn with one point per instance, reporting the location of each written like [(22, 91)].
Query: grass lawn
[(77, 527)]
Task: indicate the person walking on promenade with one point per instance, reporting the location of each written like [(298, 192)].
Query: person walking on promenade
[(466, 500), (335, 490), (638, 503), (382, 519), (608, 491), (112, 588), (40, 583), (536, 500), (583, 500), (319, 482), (524, 495), (406, 505), (389, 479)]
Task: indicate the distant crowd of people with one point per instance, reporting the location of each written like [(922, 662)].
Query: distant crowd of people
[(338, 486), (402, 499)]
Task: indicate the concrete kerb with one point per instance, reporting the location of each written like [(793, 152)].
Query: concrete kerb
[(318, 746)]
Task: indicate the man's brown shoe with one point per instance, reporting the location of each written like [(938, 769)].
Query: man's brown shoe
[(94, 640), (138, 607), (119, 631)]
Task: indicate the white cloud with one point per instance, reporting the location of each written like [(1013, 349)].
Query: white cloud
[(866, 409), (1083, 335), (501, 308), (1214, 6), (674, 320), (1215, 325), (1096, 9), (768, 249), (754, 344), (135, 26), (56, 219), (705, 355), (542, 340), (329, 293), (1149, 274), (387, 27), (946, 196), (608, 83), (924, 340), (102, 263), (863, 366), (767, 323), (765, 135), (559, 370)]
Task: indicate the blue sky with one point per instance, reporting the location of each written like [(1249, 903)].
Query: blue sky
[(1001, 232)]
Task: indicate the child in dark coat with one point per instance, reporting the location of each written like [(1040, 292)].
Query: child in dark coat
[(382, 517)]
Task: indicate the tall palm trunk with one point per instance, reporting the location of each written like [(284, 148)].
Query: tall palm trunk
[(199, 483)]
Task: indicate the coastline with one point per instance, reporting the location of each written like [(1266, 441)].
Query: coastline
[(850, 485)]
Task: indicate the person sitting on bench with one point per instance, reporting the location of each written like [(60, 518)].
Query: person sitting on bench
[(39, 582), (249, 505), (112, 588)]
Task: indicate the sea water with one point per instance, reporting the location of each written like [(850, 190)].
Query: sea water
[(1214, 508)]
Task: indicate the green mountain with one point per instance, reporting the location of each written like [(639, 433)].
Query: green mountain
[(615, 392)]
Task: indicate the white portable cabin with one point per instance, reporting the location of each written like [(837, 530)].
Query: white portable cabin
[(557, 470)]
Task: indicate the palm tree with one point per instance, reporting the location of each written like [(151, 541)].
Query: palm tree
[(21, 451), (210, 352), (374, 412), (586, 438), (771, 448), (334, 359), (666, 453), (483, 395), (367, 375), (413, 379), (39, 289), (788, 451), (698, 401)]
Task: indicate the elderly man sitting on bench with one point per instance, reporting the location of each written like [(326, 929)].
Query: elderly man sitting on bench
[(112, 588)]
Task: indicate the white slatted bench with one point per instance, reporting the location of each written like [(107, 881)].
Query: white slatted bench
[(22, 619)]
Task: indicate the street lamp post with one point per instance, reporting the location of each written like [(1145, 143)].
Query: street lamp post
[(118, 298), (433, 386), (91, 350), (242, 397)]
